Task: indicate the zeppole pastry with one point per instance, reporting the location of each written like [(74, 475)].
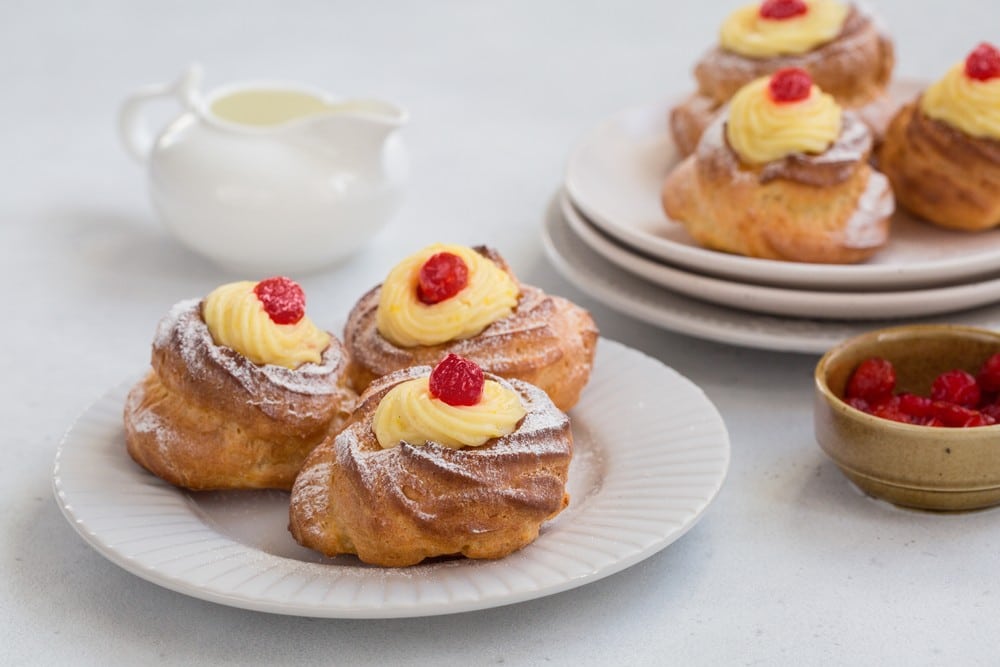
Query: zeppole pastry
[(450, 298), (784, 174), (243, 386), (942, 151), (436, 462), (840, 45)]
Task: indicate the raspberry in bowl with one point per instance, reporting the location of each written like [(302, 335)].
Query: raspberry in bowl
[(909, 414)]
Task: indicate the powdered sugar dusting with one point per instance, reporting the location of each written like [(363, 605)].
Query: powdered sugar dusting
[(165, 327), (520, 470), (184, 325), (834, 165), (492, 348), (311, 490), (720, 72), (149, 422), (484, 468), (875, 204), (143, 421)]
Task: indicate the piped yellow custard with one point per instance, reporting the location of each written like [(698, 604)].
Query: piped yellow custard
[(443, 293), (782, 27), (967, 97), (454, 406), (265, 322), (776, 116)]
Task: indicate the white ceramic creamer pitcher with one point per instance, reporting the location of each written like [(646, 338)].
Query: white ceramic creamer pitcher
[(268, 178)]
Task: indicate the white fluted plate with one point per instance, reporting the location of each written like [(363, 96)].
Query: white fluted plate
[(651, 454), (787, 302), (626, 293)]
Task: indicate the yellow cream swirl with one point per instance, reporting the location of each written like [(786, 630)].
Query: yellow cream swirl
[(967, 104), (406, 321), (236, 318), (408, 413), (748, 33), (761, 130)]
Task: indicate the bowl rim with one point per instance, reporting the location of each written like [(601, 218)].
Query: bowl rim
[(894, 334)]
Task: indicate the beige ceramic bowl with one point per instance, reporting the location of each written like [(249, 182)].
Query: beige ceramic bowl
[(916, 466)]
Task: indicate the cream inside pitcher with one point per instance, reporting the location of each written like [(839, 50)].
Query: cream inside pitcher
[(268, 177), (264, 107)]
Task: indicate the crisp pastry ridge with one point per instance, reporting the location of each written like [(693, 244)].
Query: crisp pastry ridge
[(940, 173), (205, 417), (547, 341), (854, 67), (398, 506)]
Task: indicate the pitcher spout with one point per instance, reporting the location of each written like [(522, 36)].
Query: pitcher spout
[(376, 112), (361, 126)]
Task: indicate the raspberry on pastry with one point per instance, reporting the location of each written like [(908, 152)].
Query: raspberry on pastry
[(435, 462), (455, 299), (784, 174), (942, 151), (242, 387), (842, 47)]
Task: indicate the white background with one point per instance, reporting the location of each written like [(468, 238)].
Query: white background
[(789, 565)]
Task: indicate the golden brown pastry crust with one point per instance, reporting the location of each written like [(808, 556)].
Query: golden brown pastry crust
[(940, 173), (206, 417), (689, 119), (548, 341), (398, 506), (855, 67), (832, 208)]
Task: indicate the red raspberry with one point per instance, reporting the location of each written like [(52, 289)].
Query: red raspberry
[(992, 410), (988, 377), (457, 381), (983, 63), (956, 386), (782, 9), (442, 276), (986, 397), (282, 298), (919, 407), (954, 415), (980, 419), (873, 380), (791, 84), (890, 409)]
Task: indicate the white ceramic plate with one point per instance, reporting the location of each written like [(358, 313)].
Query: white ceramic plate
[(631, 295), (817, 304), (651, 454), (614, 177)]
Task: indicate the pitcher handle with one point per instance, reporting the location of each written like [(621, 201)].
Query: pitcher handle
[(133, 127)]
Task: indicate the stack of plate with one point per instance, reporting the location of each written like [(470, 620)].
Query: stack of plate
[(607, 233)]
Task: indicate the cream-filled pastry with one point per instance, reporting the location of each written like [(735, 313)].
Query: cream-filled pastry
[(942, 151), (783, 174), (243, 385), (436, 462), (842, 47)]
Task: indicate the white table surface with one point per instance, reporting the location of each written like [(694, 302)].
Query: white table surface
[(790, 564)]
